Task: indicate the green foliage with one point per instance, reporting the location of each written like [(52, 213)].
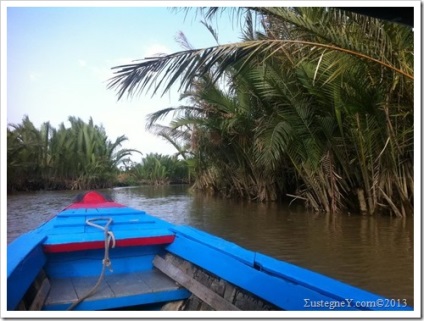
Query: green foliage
[(316, 105), (78, 157), (157, 169)]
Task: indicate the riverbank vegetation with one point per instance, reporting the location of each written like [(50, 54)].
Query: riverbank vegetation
[(77, 157), (81, 157), (155, 169), (312, 105)]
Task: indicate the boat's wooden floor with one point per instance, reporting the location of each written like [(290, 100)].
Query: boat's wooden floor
[(64, 291)]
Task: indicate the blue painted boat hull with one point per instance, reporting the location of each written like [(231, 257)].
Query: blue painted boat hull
[(69, 252)]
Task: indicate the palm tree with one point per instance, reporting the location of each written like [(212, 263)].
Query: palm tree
[(25, 152), (307, 32), (79, 157), (323, 94)]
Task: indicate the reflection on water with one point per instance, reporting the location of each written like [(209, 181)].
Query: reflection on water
[(374, 253)]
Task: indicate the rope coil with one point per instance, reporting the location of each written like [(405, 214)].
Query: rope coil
[(106, 263)]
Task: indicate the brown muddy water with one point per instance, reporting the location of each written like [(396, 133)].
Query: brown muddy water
[(373, 253)]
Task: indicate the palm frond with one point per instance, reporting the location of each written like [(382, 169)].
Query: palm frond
[(211, 30), (181, 39), (151, 73), (163, 113)]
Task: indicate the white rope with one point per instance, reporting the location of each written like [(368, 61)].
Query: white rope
[(106, 260)]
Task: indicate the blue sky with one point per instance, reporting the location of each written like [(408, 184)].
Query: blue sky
[(59, 58)]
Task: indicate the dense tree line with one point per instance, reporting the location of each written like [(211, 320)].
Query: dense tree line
[(81, 157), (155, 169), (77, 157), (313, 105)]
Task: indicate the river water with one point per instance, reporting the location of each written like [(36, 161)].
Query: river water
[(374, 253)]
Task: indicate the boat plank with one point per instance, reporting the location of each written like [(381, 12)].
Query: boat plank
[(61, 291), (123, 286), (158, 281), (217, 243), (104, 211), (113, 287), (332, 288), (98, 235), (83, 285), (202, 292), (41, 296), (25, 259)]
